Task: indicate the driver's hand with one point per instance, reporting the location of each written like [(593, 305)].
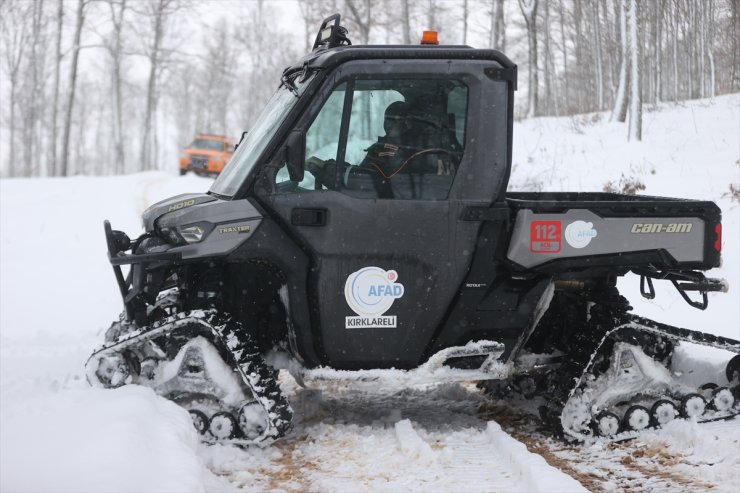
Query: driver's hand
[(315, 165)]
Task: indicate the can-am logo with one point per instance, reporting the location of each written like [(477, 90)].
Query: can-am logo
[(370, 292), (579, 234)]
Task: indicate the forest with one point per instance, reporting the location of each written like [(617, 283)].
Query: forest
[(98, 87)]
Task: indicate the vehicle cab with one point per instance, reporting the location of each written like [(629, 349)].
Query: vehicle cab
[(361, 208), (207, 154)]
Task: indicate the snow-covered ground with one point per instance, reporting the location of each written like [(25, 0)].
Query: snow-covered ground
[(58, 295)]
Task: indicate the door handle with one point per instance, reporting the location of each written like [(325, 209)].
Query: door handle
[(308, 217)]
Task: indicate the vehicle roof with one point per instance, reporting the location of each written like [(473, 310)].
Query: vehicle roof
[(329, 58), (222, 138)]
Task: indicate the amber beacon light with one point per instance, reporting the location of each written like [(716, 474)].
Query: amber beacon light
[(429, 38)]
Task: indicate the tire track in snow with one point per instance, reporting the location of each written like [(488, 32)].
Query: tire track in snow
[(411, 440)]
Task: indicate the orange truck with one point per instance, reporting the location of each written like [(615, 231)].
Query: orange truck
[(207, 154)]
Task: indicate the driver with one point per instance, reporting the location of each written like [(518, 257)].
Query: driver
[(387, 155), (384, 158)]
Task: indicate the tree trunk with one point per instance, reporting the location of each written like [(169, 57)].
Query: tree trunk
[(675, 51), (735, 16), (619, 113), (635, 123), (564, 45), (550, 105), (406, 20), (55, 104), (115, 49), (145, 156), (465, 22), (497, 38), (529, 11), (710, 50), (701, 16), (578, 73), (64, 170), (658, 50), (597, 56)]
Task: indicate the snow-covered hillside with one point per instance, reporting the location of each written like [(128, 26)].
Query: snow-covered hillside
[(58, 295)]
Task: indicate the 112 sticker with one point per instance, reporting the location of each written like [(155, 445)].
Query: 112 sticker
[(545, 236)]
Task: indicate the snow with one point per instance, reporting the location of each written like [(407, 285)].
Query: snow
[(58, 296)]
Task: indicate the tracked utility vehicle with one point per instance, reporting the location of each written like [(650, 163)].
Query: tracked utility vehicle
[(364, 223)]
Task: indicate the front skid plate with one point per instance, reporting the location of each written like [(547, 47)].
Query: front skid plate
[(238, 350)]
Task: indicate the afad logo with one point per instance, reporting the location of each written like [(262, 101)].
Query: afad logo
[(370, 292), (579, 234)]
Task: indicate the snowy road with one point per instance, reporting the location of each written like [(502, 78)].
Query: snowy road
[(58, 295)]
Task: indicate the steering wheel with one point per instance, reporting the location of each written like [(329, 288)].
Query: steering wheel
[(423, 152)]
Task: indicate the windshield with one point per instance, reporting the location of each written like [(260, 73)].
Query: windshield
[(213, 145), (245, 157)]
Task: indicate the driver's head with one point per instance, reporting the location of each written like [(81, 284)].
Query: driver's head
[(394, 122)]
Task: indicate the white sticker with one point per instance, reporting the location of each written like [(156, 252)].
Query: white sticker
[(579, 234), (370, 292)]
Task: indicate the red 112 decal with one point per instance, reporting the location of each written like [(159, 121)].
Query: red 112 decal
[(545, 236)]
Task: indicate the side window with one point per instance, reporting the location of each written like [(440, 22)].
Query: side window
[(322, 144), (405, 138)]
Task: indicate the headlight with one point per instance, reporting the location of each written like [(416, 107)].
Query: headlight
[(192, 234), (172, 236), (185, 235)]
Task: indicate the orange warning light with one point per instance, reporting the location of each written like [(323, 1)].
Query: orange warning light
[(429, 38)]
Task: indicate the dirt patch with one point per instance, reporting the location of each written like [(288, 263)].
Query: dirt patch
[(655, 461), (291, 467), (589, 480)]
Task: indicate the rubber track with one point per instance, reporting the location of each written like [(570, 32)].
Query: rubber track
[(229, 336), (581, 360)]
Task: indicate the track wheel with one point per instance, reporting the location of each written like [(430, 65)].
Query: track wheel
[(223, 425), (200, 420), (607, 424), (722, 399), (113, 370), (636, 418), (692, 406), (733, 370), (663, 412), (526, 385), (252, 420)]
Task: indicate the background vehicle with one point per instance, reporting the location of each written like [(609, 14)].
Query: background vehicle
[(207, 154), (444, 273)]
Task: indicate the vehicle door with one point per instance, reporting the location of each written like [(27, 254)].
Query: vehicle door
[(389, 250)]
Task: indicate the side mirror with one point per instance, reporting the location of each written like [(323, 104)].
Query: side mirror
[(295, 153)]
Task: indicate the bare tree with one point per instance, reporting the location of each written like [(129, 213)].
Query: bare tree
[(114, 46), (361, 17), (465, 22), (406, 22), (529, 11), (635, 123), (80, 21), (158, 14), (15, 34), (55, 99), (619, 112), (564, 47), (597, 56), (497, 38)]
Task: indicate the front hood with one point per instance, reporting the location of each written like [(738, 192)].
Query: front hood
[(225, 224), (173, 204)]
